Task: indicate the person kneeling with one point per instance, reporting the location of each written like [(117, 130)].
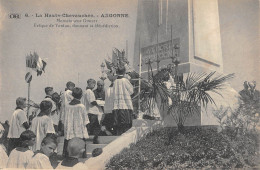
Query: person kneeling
[(76, 149)]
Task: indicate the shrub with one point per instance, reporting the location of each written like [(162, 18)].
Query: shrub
[(196, 147)]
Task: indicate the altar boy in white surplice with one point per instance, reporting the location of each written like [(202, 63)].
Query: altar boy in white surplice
[(94, 111), (75, 120), (66, 98), (42, 124)]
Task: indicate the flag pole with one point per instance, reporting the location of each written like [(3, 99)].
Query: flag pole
[(28, 105), (167, 11), (157, 50), (171, 44), (139, 81)]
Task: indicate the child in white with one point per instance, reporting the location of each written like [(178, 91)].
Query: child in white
[(66, 98), (42, 124), (40, 160), (75, 120), (108, 120), (94, 111), (89, 100), (19, 124), (20, 156)]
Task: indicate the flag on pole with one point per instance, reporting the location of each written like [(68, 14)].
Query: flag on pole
[(34, 62), (120, 57), (110, 67), (114, 58), (108, 64), (117, 57)]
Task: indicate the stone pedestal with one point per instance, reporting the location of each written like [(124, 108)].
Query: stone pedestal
[(196, 23)]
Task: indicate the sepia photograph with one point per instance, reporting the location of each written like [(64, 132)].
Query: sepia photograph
[(129, 84)]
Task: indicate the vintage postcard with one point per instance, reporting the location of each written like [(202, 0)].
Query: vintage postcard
[(130, 84)]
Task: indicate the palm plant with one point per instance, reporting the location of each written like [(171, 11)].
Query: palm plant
[(151, 90), (187, 95)]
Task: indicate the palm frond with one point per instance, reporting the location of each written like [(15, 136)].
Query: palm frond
[(187, 96), (193, 79)]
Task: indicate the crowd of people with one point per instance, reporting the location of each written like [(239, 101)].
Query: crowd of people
[(75, 114)]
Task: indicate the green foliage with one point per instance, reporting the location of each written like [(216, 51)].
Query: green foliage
[(187, 95), (193, 92), (196, 147), (150, 90), (240, 121)]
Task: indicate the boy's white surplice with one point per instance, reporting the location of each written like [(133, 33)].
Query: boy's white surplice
[(3, 156), (89, 97), (122, 90), (75, 121), (66, 98), (16, 125), (19, 159), (39, 161), (41, 125)]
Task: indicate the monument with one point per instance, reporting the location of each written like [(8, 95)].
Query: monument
[(193, 25)]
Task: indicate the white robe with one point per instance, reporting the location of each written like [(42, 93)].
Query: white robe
[(87, 98), (75, 121), (39, 161), (3, 157), (40, 127), (122, 90), (16, 125), (66, 98), (19, 159)]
